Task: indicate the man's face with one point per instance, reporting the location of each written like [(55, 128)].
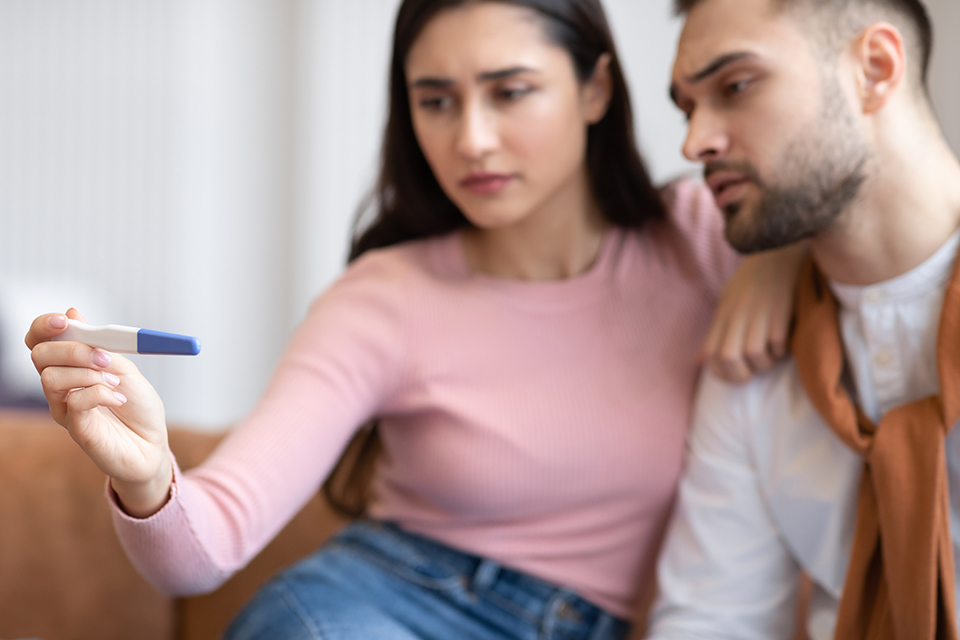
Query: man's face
[(780, 144)]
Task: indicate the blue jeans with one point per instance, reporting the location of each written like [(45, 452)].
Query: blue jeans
[(375, 581)]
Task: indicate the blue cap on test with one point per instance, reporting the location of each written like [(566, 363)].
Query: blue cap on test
[(158, 342)]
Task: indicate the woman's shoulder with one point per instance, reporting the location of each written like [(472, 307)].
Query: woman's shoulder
[(689, 203), (398, 270), (694, 228), (413, 259), (691, 234)]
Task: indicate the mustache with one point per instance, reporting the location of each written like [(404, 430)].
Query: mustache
[(743, 167)]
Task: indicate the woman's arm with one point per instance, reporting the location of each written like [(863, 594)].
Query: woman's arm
[(342, 365), (751, 326)]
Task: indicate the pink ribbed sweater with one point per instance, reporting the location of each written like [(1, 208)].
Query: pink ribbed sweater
[(537, 423)]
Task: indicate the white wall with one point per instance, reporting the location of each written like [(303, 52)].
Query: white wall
[(945, 68), (145, 157), (194, 165)]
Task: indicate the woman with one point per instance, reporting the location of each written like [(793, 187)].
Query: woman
[(521, 318)]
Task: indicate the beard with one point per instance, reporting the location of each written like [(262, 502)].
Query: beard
[(819, 178)]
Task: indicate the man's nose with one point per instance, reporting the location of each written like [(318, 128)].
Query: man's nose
[(707, 139)]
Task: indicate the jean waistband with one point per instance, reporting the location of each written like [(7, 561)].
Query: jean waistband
[(432, 563)]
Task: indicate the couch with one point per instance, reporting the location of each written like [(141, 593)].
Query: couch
[(63, 575)]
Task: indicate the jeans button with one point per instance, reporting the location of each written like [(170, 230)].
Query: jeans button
[(567, 612), (466, 586)]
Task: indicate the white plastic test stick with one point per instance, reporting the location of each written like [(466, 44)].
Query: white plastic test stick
[(120, 339)]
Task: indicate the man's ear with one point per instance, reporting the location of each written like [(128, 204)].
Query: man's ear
[(880, 60), (597, 91)]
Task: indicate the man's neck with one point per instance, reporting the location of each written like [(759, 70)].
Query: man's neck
[(908, 208)]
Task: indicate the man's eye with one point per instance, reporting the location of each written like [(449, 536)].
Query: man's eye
[(735, 88)]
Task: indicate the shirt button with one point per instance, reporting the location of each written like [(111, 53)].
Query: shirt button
[(873, 296), (883, 359)]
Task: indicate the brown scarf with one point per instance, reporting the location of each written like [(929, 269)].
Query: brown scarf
[(900, 584)]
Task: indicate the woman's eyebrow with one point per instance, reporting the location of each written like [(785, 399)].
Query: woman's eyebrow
[(432, 82), (509, 72)]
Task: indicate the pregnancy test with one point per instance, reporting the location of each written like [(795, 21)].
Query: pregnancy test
[(120, 339)]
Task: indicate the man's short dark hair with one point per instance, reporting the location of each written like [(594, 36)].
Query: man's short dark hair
[(912, 14)]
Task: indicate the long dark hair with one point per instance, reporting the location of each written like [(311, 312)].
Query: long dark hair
[(408, 203)]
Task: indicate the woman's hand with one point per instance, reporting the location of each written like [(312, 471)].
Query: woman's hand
[(751, 327), (109, 409)]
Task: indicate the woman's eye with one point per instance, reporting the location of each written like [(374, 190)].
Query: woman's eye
[(436, 103), (511, 94)]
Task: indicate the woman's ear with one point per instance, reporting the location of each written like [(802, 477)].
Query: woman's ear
[(597, 91), (881, 63)]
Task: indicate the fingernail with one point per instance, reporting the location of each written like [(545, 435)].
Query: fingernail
[(120, 396), (111, 379), (101, 358), (57, 322)]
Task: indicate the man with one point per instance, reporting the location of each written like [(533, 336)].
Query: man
[(813, 122)]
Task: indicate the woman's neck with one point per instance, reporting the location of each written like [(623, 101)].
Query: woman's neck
[(560, 240)]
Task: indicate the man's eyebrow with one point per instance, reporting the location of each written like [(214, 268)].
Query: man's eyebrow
[(714, 67), (674, 93), (488, 76), (717, 64)]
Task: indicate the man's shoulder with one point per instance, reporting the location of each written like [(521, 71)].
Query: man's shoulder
[(807, 477), (770, 415), (747, 412)]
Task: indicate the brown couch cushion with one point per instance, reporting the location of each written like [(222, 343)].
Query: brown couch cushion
[(63, 575)]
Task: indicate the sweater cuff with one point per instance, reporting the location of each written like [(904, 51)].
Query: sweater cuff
[(119, 512)]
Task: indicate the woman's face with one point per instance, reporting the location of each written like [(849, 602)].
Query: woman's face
[(500, 114)]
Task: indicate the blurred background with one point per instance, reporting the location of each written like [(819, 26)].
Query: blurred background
[(194, 166)]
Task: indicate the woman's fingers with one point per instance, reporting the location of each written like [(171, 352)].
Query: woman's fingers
[(77, 378), (59, 381), (89, 398), (723, 349), (744, 342), (45, 327), (728, 360), (69, 354), (49, 326), (757, 347)]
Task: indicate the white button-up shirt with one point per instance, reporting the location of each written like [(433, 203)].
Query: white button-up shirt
[(769, 489)]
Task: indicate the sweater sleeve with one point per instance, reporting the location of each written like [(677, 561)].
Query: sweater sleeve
[(342, 365), (692, 210)]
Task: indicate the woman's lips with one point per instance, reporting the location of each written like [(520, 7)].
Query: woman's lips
[(486, 184)]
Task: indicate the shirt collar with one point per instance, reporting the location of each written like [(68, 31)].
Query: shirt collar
[(926, 277)]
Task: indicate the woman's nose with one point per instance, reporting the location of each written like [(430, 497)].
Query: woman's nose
[(478, 134)]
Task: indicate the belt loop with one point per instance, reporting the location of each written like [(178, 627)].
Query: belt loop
[(484, 575), (603, 627)]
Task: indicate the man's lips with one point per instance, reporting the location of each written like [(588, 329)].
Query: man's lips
[(727, 186), (486, 183)]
